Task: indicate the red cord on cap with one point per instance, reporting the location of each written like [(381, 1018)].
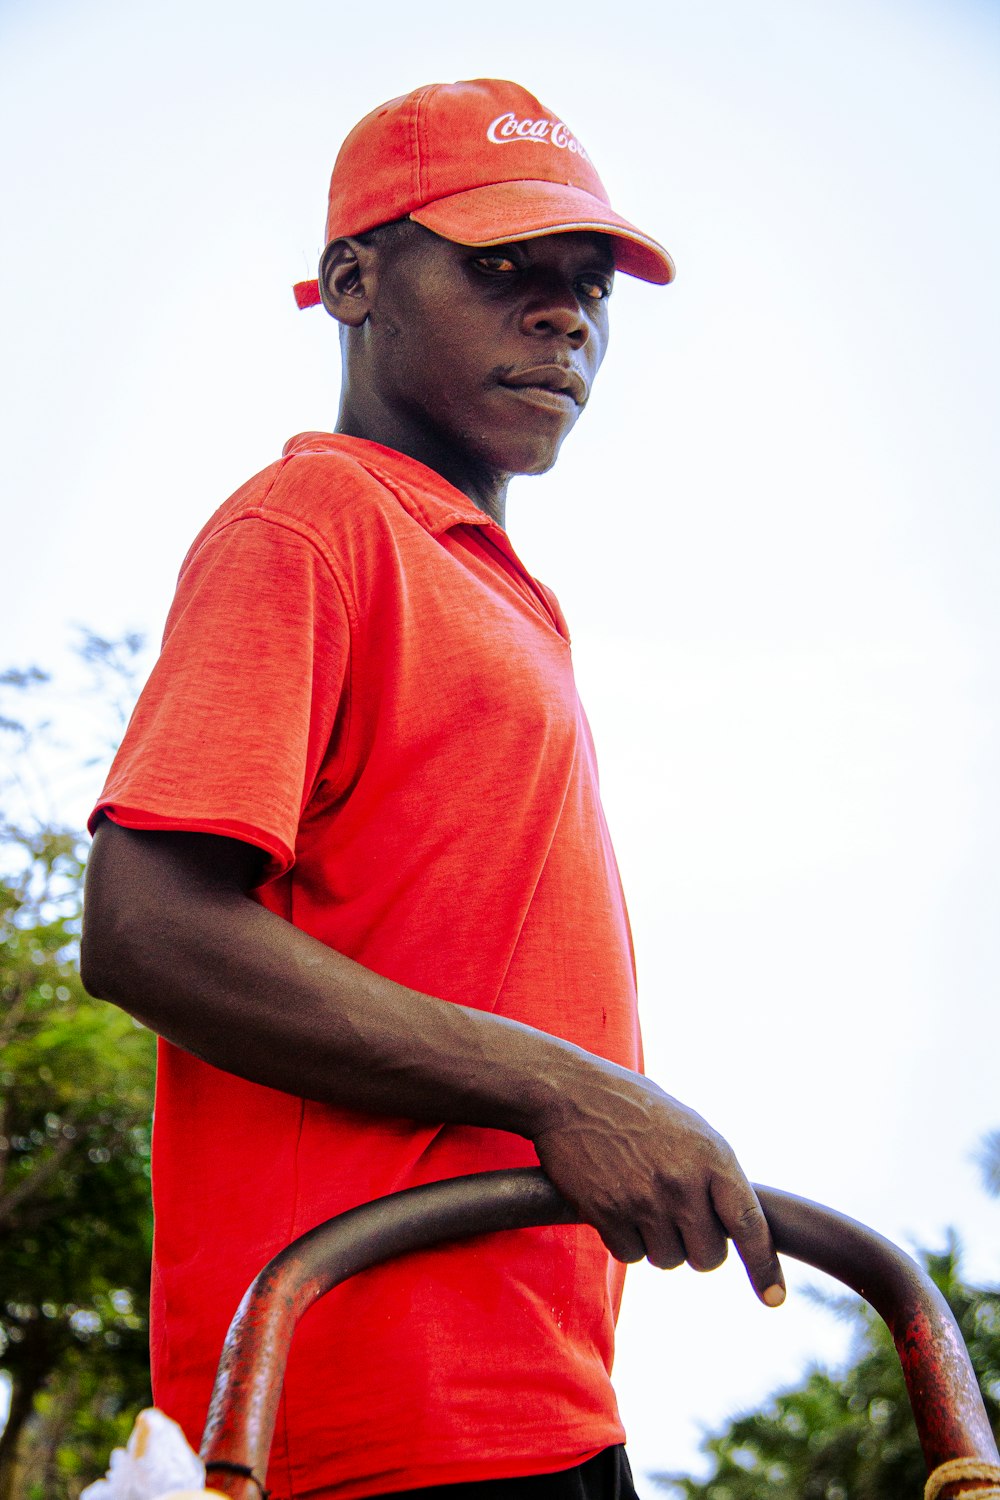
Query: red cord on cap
[(307, 293)]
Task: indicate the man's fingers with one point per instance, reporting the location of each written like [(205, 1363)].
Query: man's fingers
[(706, 1247), (664, 1247), (625, 1244), (742, 1217), (658, 1243)]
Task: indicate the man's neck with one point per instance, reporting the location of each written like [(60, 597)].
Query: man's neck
[(485, 488)]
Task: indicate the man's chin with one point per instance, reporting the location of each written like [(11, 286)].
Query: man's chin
[(539, 461)]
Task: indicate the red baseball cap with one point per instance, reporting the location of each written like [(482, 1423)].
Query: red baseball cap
[(479, 163)]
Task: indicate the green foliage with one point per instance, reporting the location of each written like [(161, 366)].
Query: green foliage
[(76, 1079), (848, 1437), (988, 1157)]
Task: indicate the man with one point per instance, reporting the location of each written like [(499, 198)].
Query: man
[(351, 864)]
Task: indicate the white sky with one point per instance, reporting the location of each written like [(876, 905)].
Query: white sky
[(775, 535)]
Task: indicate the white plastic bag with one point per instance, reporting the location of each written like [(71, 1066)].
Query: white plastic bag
[(156, 1464)]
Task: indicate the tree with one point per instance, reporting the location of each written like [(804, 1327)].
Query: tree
[(835, 1437), (988, 1157), (75, 1224)]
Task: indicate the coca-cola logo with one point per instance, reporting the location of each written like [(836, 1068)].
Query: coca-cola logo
[(507, 128)]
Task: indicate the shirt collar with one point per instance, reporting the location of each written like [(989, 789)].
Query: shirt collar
[(429, 499)]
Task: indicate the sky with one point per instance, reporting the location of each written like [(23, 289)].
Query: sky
[(775, 534)]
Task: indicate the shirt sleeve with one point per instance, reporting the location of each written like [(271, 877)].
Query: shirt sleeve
[(236, 720)]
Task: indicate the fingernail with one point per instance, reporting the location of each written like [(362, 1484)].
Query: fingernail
[(775, 1295)]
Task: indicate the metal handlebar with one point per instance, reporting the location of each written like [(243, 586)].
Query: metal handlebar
[(947, 1406)]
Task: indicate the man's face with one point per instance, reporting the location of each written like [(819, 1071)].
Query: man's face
[(490, 353)]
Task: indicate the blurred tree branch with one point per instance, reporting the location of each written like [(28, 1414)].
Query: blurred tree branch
[(76, 1079)]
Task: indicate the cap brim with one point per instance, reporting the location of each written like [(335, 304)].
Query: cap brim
[(525, 210)]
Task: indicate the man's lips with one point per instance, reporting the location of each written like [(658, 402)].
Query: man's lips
[(558, 380)]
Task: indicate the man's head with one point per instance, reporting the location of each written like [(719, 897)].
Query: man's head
[(476, 361), (470, 253)]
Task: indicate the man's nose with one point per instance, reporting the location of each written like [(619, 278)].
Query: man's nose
[(556, 311)]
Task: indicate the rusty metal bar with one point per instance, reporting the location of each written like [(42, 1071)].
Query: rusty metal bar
[(947, 1406)]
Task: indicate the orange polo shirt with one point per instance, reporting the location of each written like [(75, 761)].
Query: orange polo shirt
[(360, 678)]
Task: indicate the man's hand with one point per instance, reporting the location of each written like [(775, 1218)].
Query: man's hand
[(655, 1179)]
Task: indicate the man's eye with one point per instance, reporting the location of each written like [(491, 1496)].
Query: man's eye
[(495, 264), (597, 288)]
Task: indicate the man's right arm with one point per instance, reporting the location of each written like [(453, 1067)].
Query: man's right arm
[(172, 935)]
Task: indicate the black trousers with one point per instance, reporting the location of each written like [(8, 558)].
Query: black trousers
[(606, 1476)]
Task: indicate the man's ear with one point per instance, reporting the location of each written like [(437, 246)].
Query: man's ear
[(347, 281)]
